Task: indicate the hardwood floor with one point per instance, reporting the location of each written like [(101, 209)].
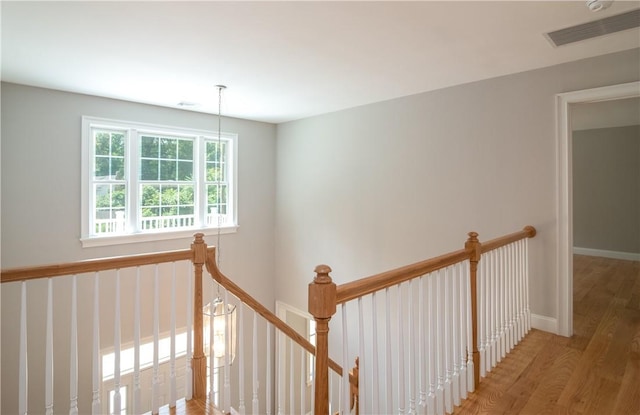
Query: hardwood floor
[(190, 407), (597, 371)]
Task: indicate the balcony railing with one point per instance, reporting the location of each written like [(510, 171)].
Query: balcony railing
[(117, 225)]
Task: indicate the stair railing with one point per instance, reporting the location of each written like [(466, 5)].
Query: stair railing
[(447, 321), (91, 283), (114, 291), (294, 402)]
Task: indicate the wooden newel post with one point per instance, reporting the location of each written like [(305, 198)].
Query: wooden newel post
[(322, 306), (474, 247), (199, 360)]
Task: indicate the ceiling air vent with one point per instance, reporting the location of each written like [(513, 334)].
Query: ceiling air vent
[(612, 24)]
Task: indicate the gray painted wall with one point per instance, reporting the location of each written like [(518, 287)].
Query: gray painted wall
[(378, 186), (606, 189)]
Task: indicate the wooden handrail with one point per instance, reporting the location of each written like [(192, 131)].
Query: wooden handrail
[(93, 265), (254, 304), (526, 232), (324, 295), (352, 290)]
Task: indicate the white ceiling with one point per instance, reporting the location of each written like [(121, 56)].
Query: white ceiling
[(286, 60)]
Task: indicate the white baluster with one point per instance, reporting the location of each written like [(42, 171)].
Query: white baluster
[(440, 357), (362, 385), (292, 396), (255, 404), (501, 300), (155, 380), (470, 367), (412, 351), (401, 391), (374, 345), (73, 350), (455, 296), (448, 323), (227, 354), (523, 290), (313, 382), (213, 371), (513, 295), (188, 374), (482, 314), (303, 382), (116, 349), (269, 388), (494, 309), (172, 358), (48, 394), (462, 330), (241, 405), (526, 283), (388, 373), (507, 299), (422, 341), (23, 381), (519, 290), (137, 404), (344, 398), (431, 342), (96, 405)]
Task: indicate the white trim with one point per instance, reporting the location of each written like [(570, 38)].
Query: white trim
[(564, 208), (544, 323), (631, 256)]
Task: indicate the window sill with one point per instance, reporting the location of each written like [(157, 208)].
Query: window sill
[(90, 242)]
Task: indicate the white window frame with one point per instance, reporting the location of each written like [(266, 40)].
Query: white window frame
[(133, 129)]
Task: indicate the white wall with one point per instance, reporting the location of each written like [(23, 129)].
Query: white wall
[(378, 186), (41, 222)]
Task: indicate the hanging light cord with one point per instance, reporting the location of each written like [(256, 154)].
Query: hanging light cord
[(218, 191)]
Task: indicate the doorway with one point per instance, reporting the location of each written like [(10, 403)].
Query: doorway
[(565, 190)]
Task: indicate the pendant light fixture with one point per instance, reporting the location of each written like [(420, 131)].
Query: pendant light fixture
[(220, 316)]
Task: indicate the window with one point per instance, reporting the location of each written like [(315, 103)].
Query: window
[(147, 182)]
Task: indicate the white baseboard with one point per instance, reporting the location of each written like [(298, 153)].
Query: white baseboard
[(544, 323), (631, 256)]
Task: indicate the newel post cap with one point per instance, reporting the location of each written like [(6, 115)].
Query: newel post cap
[(322, 294), (473, 245)]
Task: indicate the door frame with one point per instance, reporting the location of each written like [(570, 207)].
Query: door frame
[(565, 190)]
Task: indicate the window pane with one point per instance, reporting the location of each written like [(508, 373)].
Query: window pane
[(149, 147), (102, 143), (150, 196), (213, 151), (185, 170), (169, 196), (168, 148), (187, 195), (185, 149), (167, 170), (149, 170), (117, 168), (102, 168), (185, 210), (117, 144), (118, 196)]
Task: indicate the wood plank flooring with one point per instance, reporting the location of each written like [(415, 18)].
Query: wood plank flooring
[(190, 407), (596, 371)]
